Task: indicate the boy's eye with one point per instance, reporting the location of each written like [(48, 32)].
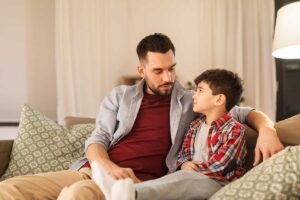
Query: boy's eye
[(199, 90)]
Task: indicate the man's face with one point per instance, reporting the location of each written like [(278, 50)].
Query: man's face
[(158, 70)]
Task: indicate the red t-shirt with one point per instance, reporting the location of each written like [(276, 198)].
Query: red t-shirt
[(145, 148)]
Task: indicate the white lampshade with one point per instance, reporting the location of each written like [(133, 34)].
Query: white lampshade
[(287, 32)]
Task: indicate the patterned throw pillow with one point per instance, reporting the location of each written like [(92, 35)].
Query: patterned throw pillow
[(42, 145), (275, 178)]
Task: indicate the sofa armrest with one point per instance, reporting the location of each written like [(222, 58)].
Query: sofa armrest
[(70, 121), (5, 150), (288, 130)]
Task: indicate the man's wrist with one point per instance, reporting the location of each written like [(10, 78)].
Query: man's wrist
[(267, 128)]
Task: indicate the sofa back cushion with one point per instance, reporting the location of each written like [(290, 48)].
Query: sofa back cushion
[(42, 145)]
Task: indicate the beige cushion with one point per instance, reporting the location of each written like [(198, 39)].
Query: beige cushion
[(276, 178), (289, 130), (42, 145)]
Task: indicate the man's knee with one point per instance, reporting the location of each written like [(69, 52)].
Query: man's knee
[(14, 188), (81, 190)]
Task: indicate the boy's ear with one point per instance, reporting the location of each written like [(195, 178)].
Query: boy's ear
[(221, 99)]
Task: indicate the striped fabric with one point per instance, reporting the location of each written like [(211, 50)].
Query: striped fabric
[(226, 147)]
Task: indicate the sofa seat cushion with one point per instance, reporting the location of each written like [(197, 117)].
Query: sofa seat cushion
[(42, 145), (276, 178)]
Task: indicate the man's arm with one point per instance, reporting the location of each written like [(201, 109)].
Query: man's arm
[(268, 142), (97, 144), (96, 152)]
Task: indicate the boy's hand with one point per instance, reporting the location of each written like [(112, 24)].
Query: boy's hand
[(190, 165)]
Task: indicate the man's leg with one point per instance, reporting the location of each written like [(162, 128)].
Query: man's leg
[(39, 186), (179, 185), (82, 190)]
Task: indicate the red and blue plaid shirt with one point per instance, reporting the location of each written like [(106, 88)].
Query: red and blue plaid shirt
[(226, 148)]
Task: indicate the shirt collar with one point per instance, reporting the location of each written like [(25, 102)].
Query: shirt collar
[(217, 123)]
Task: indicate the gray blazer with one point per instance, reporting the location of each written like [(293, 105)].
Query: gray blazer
[(119, 109)]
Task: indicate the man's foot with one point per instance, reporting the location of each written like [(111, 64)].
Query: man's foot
[(104, 181), (123, 190)]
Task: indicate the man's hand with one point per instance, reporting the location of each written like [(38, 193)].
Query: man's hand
[(190, 165), (96, 152), (121, 173), (267, 144)]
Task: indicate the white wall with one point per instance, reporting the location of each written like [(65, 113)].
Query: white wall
[(13, 58), (27, 70)]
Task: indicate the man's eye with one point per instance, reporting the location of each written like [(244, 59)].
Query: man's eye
[(157, 71), (172, 69)]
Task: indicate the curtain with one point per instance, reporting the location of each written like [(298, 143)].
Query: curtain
[(237, 35), (83, 56), (96, 41)]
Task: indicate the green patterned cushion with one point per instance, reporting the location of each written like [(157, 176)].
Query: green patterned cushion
[(275, 178), (42, 145)]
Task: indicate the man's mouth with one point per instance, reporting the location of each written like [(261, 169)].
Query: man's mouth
[(167, 87)]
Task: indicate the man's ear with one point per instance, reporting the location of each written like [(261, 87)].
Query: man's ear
[(141, 70), (221, 99)]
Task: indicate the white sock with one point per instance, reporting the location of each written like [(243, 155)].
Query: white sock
[(123, 190), (102, 179)]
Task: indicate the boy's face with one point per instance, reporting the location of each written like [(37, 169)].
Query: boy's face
[(203, 99), (159, 72)]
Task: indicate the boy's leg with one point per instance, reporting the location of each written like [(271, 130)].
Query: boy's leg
[(179, 185), (39, 186)]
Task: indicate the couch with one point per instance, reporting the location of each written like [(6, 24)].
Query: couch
[(288, 131)]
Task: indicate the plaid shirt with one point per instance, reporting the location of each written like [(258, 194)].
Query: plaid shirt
[(226, 148)]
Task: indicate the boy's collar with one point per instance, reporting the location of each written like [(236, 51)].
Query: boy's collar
[(219, 122)]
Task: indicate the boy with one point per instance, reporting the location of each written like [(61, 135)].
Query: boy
[(214, 146)]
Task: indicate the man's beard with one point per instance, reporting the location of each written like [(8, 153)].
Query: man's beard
[(156, 91)]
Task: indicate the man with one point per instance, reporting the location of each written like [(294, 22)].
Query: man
[(138, 132), (212, 152)]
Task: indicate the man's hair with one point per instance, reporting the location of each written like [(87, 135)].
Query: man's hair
[(157, 42), (225, 82)]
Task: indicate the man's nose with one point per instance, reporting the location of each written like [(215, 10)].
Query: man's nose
[(167, 77)]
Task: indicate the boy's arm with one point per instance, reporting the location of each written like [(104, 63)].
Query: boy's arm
[(232, 149), (184, 154), (268, 142)]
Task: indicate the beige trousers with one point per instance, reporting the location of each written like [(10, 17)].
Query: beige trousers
[(63, 185)]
